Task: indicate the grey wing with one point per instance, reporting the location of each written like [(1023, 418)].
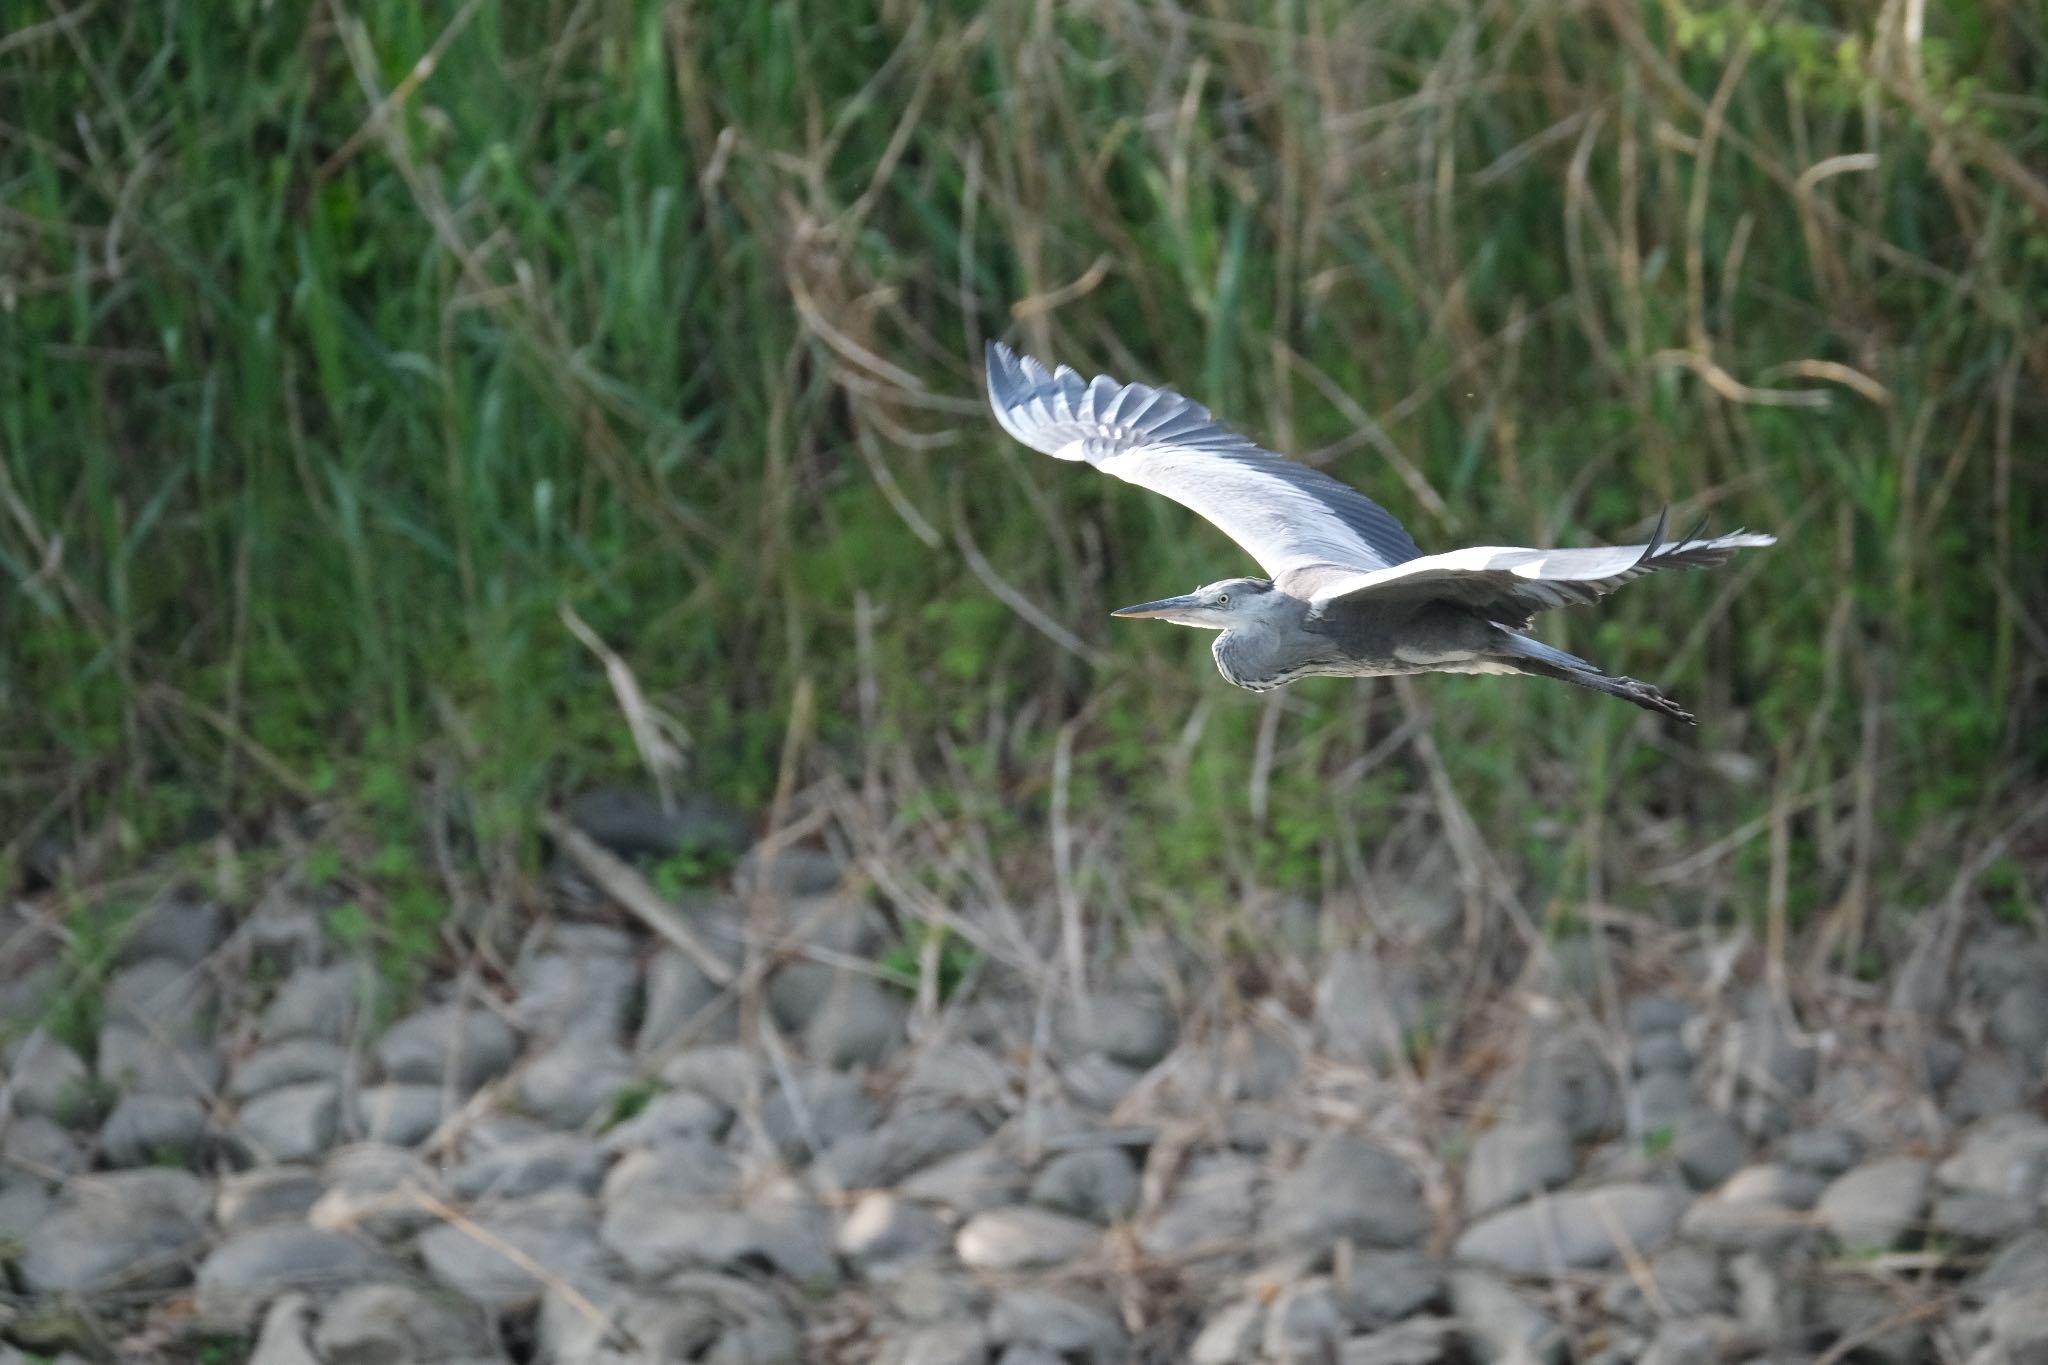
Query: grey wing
[(1510, 584), (1286, 515)]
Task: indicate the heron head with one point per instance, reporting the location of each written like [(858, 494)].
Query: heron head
[(1219, 606)]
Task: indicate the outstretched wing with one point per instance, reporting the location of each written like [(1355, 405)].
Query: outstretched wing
[(1510, 584), (1286, 515)]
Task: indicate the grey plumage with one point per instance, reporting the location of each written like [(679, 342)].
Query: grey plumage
[(1350, 594)]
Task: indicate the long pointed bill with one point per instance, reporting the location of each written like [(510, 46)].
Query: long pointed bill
[(1165, 606)]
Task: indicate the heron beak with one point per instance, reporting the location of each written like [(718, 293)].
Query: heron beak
[(1166, 607)]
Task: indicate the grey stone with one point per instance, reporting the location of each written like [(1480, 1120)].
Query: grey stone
[(884, 1229), (1421, 1341), (2019, 1265), (44, 1077), (946, 1343), (683, 1171), (137, 1061), (293, 1123), (1828, 1151), (1990, 1083), (2005, 1157), (725, 1072), (963, 1074), (372, 1324), (1024, 1353), (178, 927), (1770, 1294), (1772, 1067), (465, 1045), (403, 1114), (1658, 1102), (1790, 1186), (1694, 1341), (41, 1145), (1097, 1082), (371, 1188), (1346, 1187), (266, 1194), (1497, 1325), (975, 1180), (317, 1002), (789, 1236), (534, 1165), (793, 872), (162, 995), (1709, 1149), (1661, 1052), (1213, 1203), (677, 992), (857, 1023), (283, 1339), (671, 1114), (291, 1062), (904, 1143), (1656, 1013), (552, 1232), (1684, 1282), (1365, 1013), (251, 1267), (575, 1079), (1743, 1224), (819, 1108), (580, 986), (2018, 1325), (1577, 1229), (1515, 1160), (1096, 1183), (1979, 1219), (24, 1204), (1021, 1237), (1232, 1334), (633, 823), (1874, 1206), (1134, 1027), (128, 1230), (1851, 1306), (934, 1294), (1304, 1324), (2019, 1021), (1567, 1079), (1070, 1328), (708, 1318), (1387, 1286), (797, 991), (150, 1130)]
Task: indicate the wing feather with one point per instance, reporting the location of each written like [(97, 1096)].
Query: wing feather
[(1286, 515)]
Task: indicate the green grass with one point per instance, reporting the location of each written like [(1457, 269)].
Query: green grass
[(312, 419)]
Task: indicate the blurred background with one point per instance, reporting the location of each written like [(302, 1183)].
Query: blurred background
[(348, 349)]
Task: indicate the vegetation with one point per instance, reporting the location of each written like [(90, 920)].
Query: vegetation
[(350, 351)]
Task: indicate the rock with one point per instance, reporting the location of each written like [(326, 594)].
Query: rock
[(1789, 1186), (1567, 1079), (1851, 1306), (318, 1002), (40, 1145), (283, 1339), (1134, 1027), (788, 1237), (1743, 1224), (684, 1171), (1989, 1083), (465, 1045), (932, 1294), (1365, 1013), (293, 1123), (1769, 1294), (857, 1022), (250, 1268), (163, 996), (2018, 1325), (1423, 1341), (45, 1077), (581, 985), (24, 1204), (179, 928), (1874, 1206), (1659, 1102), (883, 1230), (2019, 1021), (2005, 1157), (633, 823), (291, 1062), (370, 1188), (152, 1130), (135, 1061), (1020, 1237), (1660, 1052), (1232, 1334), (1827, 1151), (819, 1108), (960, 1074), (1694, 1341), (677, 992), (267, 1194), (1066, 1327), (403, 1115), (1349, 1188), (1515, 1160), (1977, 1219), (1709, 1149), (978, 1179), (566, 1162), (128, 1229), (906, 1142), (671, 1114), (1577, 1229), (1499, 1326), (1304, 1324), (1097, 1082), (793, 873), (1213, 1204), (556, 1233), (946, 1343), (1096, 1183), (1769, 1065), (372, 1324), (1387, 1286), (575, 1079), (1686, 1281), (2020, 1265), (713, 1319), (724, 1072)]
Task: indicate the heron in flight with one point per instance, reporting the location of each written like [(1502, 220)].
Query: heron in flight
[(1348, 593)]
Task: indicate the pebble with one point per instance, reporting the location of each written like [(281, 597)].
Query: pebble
[(671, 1114), (152, 1130), (859, 1022), (1874, 1206), (634, 823), (580, 986), (1576, 1229), (321, 1003), (677, 992), (558, 1234), (944, 1343), (1020, 1237), (371, 1324), (466, 1045), (267, 1194), (178, 928), (1386, 1286), (1499, 1326), (975, 1180), (1567, 1078), (1828, 1151), (1514, 1160), (577, 1078), (1708, 1149), (1346, 1187), (1067, 1327), (251, 1267), (291, 1062), (1135, 1027), (1231, 1334), (904, 1143), (126, 1228), (2005, 1157), (283, 1339), (45, 1077), (162, 995), (1213, 1203), (1365, 1013), (1097, 1082), (1852, 1306), (1304, 1323), (882, 1230), (1096, 1183), (134, 1061), (532, 1165), (292, 1123), (1421, 1341), (401, 1114), (803, 1117), (42, 1146), (372, 1187)]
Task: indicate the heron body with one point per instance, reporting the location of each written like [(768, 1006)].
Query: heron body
[(1349, 593)]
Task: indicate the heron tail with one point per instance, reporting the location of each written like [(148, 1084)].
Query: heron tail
[(1539, 660)]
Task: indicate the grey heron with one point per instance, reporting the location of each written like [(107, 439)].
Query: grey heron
[(1348, 593)]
